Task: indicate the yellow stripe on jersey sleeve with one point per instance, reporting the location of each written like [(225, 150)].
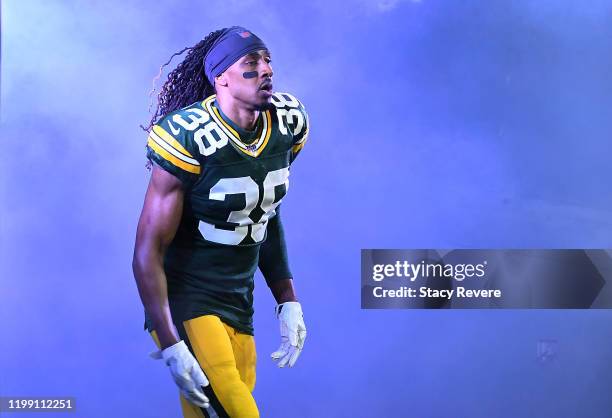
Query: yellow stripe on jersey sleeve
[(298, 147), (306, 130), (170, 140), (171, 158)]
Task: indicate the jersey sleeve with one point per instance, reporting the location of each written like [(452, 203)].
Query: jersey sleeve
[(292, 116), (300, 137), (273, 260), (173, 149)]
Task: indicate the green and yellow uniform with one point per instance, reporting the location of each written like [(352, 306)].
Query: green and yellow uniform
[(234, 181)]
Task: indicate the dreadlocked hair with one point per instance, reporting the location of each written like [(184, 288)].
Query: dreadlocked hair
[(187, 83)]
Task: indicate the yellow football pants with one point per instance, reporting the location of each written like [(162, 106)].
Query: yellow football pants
[(228, 359)]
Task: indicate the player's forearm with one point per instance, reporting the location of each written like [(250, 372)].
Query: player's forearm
[(283, 290), (152, 287), (161, 214)]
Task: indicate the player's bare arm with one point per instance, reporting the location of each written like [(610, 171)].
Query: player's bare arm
[(283, 291), (157, 226)]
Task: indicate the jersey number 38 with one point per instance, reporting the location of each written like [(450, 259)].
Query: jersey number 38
[(249, 188)]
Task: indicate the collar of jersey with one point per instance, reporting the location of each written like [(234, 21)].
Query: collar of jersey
[(259, 138)]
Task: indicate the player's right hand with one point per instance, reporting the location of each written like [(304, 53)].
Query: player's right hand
[(186, 372)]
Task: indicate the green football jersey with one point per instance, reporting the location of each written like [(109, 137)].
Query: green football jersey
[(233, 180)]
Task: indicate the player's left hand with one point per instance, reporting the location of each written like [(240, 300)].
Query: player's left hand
[(293, 333)]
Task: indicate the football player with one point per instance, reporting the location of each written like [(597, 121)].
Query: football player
[(221, 143)]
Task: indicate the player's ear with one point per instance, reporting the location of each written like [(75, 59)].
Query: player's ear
[(221, 80)]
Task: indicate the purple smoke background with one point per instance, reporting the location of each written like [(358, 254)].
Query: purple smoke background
[(435, 124)]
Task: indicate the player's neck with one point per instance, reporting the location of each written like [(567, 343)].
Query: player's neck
[(241, 116)]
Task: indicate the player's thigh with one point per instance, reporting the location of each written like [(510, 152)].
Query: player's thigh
[(243, 346), (214, 351)]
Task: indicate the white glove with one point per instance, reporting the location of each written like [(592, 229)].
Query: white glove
[(293, 333), (186, 372)]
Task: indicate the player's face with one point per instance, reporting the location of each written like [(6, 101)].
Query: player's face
[(250, 79)]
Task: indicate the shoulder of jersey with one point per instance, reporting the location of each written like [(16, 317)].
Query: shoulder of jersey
[(181, 123), (173, 142), (194, 113), (286, 101), (292, 116), (197, 107)]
